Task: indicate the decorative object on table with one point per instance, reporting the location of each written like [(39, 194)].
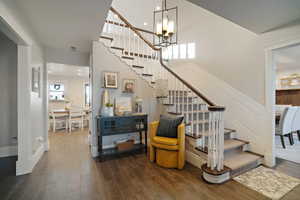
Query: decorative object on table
[(167, 151), (111, 80), (124, 145), (36, 79), (128, 85), (108, 110), (138, 105), (105, 98), (123, 105)]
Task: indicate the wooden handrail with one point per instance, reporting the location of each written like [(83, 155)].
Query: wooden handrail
[(133, 29), (210, 103), (124, 25), (136, 31)]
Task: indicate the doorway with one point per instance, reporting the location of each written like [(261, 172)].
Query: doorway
[(69, 101), (287, 102)]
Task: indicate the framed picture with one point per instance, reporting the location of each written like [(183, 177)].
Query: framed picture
[(123, 105), (111, 80), (128, 85), (35, 84)]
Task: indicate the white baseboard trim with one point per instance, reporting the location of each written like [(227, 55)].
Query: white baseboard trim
[(7, 151), (37, 155), (25, 166)]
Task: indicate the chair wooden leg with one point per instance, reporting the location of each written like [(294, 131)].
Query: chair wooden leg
[(152, 153), (291, 138), (282, 141)]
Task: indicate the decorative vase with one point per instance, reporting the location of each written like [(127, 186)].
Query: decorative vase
[(107, 111), (110, 111)]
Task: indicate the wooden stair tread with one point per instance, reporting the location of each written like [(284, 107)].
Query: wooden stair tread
[(107, 38), (162, 97), (168, 104), (118, 48), (144, 74), (174, 113), (127, 57), (241, 159), (138, 66), (193, 136), (233, 144)]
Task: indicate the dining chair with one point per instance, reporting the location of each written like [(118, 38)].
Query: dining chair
[(76, 116), (58, 119), (296, 123), (285, 124)]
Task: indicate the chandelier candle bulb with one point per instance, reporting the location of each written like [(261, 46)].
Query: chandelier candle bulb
[(165, 24), (159, 29), (171, 28)]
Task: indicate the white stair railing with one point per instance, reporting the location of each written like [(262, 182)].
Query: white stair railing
[(203, 119)]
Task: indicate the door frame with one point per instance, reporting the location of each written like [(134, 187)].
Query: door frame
[(270, 90)]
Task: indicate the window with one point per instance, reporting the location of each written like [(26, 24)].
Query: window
[(182, 51), (191, 50), (56, 92), (175, 51), (87, 99)]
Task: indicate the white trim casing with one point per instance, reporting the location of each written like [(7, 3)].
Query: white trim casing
[(24, 133)]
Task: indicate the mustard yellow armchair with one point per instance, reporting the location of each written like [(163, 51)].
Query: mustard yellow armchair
[(167, 152)]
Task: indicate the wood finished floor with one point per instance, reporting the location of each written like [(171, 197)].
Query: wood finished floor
[(67, 172)]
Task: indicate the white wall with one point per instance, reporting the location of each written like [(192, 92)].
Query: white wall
[(104, 60), (32, 132), (8, 96), (74, 90)]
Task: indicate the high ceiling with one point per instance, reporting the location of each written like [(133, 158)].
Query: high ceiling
[(288, 58), (65, 23), (258, 16), (55, 69)]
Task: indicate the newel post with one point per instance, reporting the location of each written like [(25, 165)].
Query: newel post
[(214, 170)]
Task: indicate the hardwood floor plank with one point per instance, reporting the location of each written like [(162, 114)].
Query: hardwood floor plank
[(67, 172)]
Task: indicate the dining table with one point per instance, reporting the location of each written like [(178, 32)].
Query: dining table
[(67, 111)]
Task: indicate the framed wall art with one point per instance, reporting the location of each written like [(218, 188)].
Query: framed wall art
[(128, 86), (35, 80), (111, 80)]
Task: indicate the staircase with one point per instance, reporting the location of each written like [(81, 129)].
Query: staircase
[(207, 141)]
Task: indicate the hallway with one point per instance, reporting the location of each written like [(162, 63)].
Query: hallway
[(67, 172)]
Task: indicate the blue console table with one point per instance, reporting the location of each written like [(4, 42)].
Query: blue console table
[(116, 125)]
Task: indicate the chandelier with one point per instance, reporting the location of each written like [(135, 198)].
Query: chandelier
[(165, 26)]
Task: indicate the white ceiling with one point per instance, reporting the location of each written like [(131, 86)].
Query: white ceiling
[(55, 69), (258, 16), (66, 23), (130, 9), (288, 58)]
